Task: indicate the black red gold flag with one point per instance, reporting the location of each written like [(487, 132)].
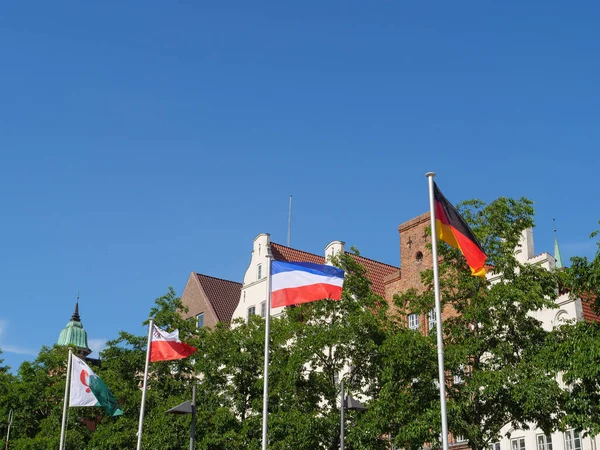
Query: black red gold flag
[(454, 231)]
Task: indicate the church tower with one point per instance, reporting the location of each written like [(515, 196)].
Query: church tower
[(74, 334)]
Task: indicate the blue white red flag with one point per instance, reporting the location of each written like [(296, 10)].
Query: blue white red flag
[(302, 282)]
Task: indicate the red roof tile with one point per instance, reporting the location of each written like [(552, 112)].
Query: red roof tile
[(376, 271), (588, 314), (223, 295), (283, 253)]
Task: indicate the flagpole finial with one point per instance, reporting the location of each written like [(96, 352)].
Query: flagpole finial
[(430, 174)]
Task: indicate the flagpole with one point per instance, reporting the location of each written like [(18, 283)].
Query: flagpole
[(139, 433), (438, 313), (10, 419), (63, 427), (193, 424), (266, 370), (342, 418)]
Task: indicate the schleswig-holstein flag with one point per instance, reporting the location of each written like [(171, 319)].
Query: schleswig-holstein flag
[(302, 282)]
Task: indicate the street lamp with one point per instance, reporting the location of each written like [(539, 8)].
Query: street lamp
[(187, 407), (349, 403)]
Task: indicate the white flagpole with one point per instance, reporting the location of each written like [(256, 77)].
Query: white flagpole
[(139, 433), (438, 313), (266, 371), (63, 428)]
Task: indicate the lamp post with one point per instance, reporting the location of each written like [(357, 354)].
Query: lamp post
[(187, 407), (346, 403)]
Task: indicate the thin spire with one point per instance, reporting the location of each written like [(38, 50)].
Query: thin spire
[(557, 255), (75, 315)]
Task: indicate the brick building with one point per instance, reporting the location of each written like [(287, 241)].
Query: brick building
[(209, 299)]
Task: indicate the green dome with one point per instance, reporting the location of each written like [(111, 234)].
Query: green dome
[(74, 334)]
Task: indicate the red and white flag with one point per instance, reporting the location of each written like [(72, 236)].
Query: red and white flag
[(167, 346)]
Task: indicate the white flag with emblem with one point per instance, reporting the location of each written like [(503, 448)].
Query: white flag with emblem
[(81, 394)]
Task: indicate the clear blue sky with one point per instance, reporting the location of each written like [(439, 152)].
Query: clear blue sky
[(140, 141)]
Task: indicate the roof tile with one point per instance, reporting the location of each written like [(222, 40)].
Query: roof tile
[(223, 295)]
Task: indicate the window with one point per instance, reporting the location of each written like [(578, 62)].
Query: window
[(200, 320), (251, 311), (544, 442), (517, 444), (494, 446), (263, 312), (259, 271), (432, 321), (413, 321), (572, 440)]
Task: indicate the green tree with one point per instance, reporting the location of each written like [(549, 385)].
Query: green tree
[(576, 348), (6, 398), (491, 340), (582, 278), (329, 339), (169, 383), (38, 390)]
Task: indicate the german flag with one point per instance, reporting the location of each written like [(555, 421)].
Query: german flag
[(453, 230)]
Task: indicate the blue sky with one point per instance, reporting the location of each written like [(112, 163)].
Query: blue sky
[(140, 141)]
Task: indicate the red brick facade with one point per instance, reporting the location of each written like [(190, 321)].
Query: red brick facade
[(415, 256)]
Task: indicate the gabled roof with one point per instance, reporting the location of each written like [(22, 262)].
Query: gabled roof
[(223, 295), (376, 271)]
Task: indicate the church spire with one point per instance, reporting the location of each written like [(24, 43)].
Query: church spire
[(557, 255), (75, 334), (75, 317)]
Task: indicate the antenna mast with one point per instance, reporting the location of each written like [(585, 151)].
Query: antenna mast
[(289, 241)]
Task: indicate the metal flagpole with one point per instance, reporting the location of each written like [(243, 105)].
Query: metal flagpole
[(193, 425), (266, 370), (63, 427), (289, 242), (438, 313), (139, 433), (342, 415), (10, 419)]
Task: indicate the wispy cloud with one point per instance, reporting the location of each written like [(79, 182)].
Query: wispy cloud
[(7, 348), (96, 345), (3, 326), (581, 248), (17, 350)]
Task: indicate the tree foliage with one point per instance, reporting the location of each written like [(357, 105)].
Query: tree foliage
[(490, 339), (498, 358)]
